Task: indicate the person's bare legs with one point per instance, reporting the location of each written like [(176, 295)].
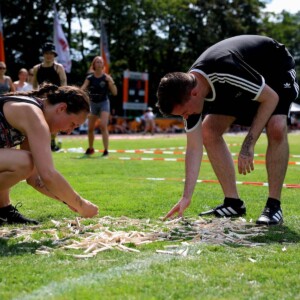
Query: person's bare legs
[(277, 154), (276, 163), (104, 118), (91, 128), (15, 165), (219, 155)]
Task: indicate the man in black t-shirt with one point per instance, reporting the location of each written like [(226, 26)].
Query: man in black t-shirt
[(247, 80)]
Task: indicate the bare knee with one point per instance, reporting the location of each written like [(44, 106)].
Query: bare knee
[(214, 127), (24, 165), (205, 135), (277, 132), (103, 126), (208, 135)]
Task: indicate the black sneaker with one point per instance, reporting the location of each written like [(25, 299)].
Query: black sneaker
[(226, 210), (105, 153), (11, 215), (55, 148), (89, 151), (270, 216)]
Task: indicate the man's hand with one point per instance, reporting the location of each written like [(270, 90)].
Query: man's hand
[(245, 162), (245, 159), (179, 208)]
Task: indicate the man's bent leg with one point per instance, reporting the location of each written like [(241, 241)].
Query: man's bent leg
[(220, 157), (218, 153), (277, 154), (276, 162)]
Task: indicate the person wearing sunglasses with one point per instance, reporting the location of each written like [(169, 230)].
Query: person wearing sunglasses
[(6, 84)]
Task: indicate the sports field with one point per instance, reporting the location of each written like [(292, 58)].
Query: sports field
[(128, 252)]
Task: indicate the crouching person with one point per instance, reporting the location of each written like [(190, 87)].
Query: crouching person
[(28, 119)]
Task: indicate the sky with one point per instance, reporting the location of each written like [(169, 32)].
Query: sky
[(278, 6), (275, 6)]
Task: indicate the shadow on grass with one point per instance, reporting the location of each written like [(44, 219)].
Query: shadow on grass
[(277, 234), (9, 248)]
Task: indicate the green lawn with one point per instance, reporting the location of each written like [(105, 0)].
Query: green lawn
[(120, 187)]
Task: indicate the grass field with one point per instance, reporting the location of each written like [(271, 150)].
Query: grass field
[(120, 187)]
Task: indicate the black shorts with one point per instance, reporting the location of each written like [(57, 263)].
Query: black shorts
[(285, 86)]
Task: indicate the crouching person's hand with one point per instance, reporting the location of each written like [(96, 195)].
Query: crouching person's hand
[(87, 209)]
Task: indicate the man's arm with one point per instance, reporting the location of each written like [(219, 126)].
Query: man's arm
[(268, 101), (193, 159), (35, 84), (62, 74)]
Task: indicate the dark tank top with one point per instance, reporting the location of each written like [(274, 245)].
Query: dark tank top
[(9, 136), (98, 88), (48, 74), (4, 86)]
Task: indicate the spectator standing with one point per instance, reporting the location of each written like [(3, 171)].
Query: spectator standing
[(149, 119), (49, 71), (22, 85), (6, 84), (98, 83)]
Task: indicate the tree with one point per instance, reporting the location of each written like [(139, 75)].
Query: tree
[(144, 35)]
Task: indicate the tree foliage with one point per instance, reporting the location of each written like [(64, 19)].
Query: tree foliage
[(144, 35)]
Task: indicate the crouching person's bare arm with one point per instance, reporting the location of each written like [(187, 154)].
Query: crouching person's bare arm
[(45, 178)]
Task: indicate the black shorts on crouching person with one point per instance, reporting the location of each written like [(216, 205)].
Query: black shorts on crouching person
[(285, 86)]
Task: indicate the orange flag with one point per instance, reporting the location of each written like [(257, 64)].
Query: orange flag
[(2, 54), (104, 48)]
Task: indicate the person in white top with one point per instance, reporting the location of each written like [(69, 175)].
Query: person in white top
[(22, 85), (149, 118)]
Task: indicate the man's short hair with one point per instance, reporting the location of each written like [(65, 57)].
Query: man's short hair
[(174, 89)]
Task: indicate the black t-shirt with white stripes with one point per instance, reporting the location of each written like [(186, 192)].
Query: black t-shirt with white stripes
[(238, 68)]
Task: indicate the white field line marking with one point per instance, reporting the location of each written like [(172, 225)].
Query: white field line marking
[(181, 159), (158, 151), (56, 289), (285, 185)]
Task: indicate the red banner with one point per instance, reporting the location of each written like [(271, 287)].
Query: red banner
[(61, 44)]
